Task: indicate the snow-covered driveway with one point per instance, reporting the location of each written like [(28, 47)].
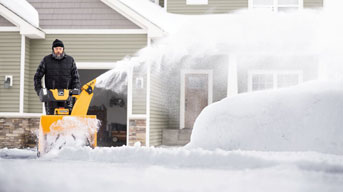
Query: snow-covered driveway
[(169, 169)]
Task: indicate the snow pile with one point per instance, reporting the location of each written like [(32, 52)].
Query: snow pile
[(172, 169), (76, 132), (23, 9), (307, 117), (198, 158)]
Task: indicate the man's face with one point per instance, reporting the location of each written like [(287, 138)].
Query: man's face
[(58, 51)]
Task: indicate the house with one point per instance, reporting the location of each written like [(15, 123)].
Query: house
[(100, 32)]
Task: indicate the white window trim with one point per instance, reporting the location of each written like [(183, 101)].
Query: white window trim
[(182, 91), (275, 5), (196, 2), (95, 31), (274, 73)]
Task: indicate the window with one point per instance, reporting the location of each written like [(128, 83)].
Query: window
[(262, 80), (276, 5), (197, 2)]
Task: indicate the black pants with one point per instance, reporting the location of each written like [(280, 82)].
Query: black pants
[(51, 106)]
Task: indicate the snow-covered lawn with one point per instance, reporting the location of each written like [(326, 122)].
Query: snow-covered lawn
[(169, 169)]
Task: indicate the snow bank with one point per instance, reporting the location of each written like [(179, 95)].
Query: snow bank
[(23, 9), (307, 117), (170, 169)]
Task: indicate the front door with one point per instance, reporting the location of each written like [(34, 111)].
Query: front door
[(196, 96)]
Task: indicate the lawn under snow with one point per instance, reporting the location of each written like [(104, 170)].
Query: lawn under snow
[(169, 169), (268, 144)]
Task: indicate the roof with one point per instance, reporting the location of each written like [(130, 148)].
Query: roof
[(79, 14), (23, 9), (139, 18), (22, 15)]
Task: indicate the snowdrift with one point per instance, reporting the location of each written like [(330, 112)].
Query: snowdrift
[(308, 117)]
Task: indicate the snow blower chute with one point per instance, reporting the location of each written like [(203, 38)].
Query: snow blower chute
[(66, 119)]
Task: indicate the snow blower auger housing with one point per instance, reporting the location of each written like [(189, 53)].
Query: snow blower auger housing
[(76, 104)]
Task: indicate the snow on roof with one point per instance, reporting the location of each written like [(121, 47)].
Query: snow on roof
[(23, 9), (157, 15)]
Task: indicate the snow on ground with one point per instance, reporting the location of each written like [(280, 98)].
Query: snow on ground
[(307, 117), (23, 9), (169, 169), (247, 162)]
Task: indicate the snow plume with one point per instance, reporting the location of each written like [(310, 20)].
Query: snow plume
[(71, 131), (198, 40)]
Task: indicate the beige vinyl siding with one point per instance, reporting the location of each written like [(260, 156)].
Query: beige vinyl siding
[(313, 3), (139, 94), (158, 109), (27, 78), (84, 48), (5, 23), (10, 65), (214, 6)]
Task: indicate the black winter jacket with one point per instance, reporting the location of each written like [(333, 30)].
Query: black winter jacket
[(59, 73)]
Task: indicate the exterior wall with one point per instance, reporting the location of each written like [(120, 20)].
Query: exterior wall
[(214, 6), (307, 64), (158, 109), (18, 132), (313, 3), (27, 77), (10, 50), (221, 6), (5, 23), (137, 131), (218, 63), (139, 94), (84, 48), (79, 14)]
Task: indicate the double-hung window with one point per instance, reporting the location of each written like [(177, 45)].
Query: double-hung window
[(262, 80), (276, 5)]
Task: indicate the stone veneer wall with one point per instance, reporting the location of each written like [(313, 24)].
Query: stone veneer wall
[(137, 131), (18, 132)]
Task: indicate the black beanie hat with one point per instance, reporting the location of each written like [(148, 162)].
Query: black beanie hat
[(57, 43)]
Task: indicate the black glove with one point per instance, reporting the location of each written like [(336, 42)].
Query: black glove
[(43, 95)]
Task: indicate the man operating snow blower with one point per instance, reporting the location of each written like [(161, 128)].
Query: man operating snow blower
[(60, 73), (66, 103)]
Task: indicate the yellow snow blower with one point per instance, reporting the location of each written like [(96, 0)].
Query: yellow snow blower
[(66, 119)]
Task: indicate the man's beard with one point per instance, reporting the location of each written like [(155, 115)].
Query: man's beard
[(58, 56)]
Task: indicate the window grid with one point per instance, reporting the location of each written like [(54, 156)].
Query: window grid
[(275, 5), (262, 80)]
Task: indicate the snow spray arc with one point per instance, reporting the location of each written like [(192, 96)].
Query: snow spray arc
[(253, 37)]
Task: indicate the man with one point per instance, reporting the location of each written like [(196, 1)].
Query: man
[(60, 73)]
